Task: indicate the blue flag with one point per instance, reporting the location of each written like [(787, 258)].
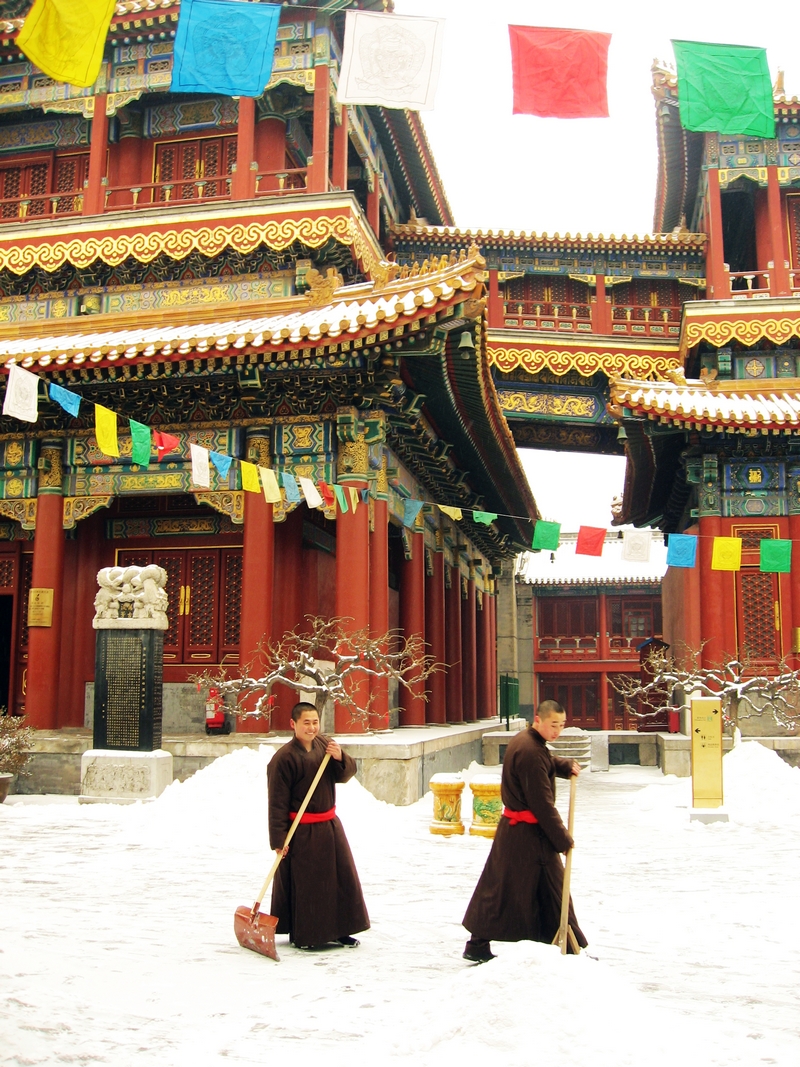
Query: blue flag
[(411, 508), (224, 46), (291, 487), (70, 402), (221, 462), (681, 550)]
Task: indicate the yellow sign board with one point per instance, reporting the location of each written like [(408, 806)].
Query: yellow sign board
[(706, 752), (40, 607)]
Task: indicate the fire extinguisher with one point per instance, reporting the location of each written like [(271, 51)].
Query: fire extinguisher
[(216, 719)]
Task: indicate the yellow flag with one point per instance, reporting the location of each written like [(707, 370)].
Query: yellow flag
[(726, 554), (454, 513), (65, 38), (352, 492), (105, 428), (272, 492), (250, 477)]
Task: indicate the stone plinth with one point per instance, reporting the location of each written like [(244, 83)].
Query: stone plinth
[(487, 807), (447, 790), (112, 777), (708, 815)]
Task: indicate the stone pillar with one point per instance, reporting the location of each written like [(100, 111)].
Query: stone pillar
[(506, 608), (525, 630), (243, 180), (94, 195), (469, 650), (412, 619), (452, 631), (434, 634), (483, 659), (44, 622), (258, 567), (379, 599), (341, 145), (318, 171), (352, 552)]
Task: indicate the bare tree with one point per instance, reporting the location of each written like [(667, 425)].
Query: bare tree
[(745, 689), (329, 661)]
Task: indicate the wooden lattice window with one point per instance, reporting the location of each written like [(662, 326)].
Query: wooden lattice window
[(231, 600), (188, 167), (20, 185), (6, 572), (71, 173), (758, 615), (202, 611), (567, 616), (27, 577)]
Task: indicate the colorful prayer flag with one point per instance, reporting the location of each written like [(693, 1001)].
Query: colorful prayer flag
[(726, 554), (484, 517), (310, 492), (327, 494), (341, 499), (290, 487), (140, 443), (546, 535), (250, 481), (636, 546), (776, 556), (411, 508), (590, 541), (681, 550), (165, 443), (70, 402), (390, 60), (105, 429), (352, 493), (559, 73), (364, 494), (201, 472), (454, 513), (22, 394), (66, 38), (221, 462), (224, 46), (269, 483), (724, 88)]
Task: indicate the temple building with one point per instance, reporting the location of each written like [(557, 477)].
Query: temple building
[(217, 269)]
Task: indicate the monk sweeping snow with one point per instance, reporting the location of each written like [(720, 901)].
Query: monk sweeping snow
[(316, 895), (518, 895)]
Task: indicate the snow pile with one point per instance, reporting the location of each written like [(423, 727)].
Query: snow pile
[(760, 788)]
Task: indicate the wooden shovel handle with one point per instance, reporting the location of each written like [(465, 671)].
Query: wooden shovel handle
[(563, 926), (292, 828)]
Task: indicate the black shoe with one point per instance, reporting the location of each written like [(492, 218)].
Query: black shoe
[(477, 950), (348, 942)]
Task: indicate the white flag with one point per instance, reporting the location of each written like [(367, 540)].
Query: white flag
[(310, 492), (269, 483), (391, 60), (201, 474), (636, 545), (22, 394)]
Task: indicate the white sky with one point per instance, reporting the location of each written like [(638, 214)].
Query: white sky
[(518, 172)]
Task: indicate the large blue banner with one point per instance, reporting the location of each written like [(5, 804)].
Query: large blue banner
[(224, 46)]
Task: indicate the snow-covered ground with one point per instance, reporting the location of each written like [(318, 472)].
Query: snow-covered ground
[(117, 945)]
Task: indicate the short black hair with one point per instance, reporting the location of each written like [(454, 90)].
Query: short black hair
[(548, 708), (298, 710)]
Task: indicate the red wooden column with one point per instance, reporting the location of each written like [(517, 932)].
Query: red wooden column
[(483, 648), (712, 612), (243, 180), (379, 605), (435, 636), (452, 632), (258, 569), (496, 313), (341, 144), (270, 150), (318, 171), (794, 579), (718, 283), (601, 312), (602, 651), (492, 598), (779, 276), (374, 203), (469, 651), (412, 621), (44, 642), (352, 588), (94, 195)]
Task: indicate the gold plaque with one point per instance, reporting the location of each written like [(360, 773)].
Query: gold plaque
[(707, 752), (40, 607)]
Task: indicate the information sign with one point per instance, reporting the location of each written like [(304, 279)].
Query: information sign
[(706, 752)]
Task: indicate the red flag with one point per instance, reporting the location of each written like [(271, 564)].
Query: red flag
[(590, 541), (326, 493), (559, 73), (165, 443)]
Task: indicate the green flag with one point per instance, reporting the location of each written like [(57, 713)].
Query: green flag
[(140, 441), (486, 517), (776, 556), (546, 534), (724, 88)]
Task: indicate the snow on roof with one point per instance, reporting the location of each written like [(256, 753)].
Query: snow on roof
[(564, 567)]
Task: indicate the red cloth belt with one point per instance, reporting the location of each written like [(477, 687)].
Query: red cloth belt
[(519, 816), (314, 816)]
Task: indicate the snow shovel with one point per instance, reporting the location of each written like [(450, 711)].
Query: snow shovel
[(565, 932), (253, 929)]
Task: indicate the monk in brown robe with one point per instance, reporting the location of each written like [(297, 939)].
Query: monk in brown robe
[(518, 895), (316, 894)]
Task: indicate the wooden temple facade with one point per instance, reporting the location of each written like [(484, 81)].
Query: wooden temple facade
[(216, 268)]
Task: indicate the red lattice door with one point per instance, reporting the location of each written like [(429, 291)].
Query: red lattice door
[(23, 190), (578, 694), (758, 616), (70, 174), (188, 167)]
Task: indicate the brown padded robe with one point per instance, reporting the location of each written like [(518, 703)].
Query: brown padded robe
[(316, 894), (518, 895)]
